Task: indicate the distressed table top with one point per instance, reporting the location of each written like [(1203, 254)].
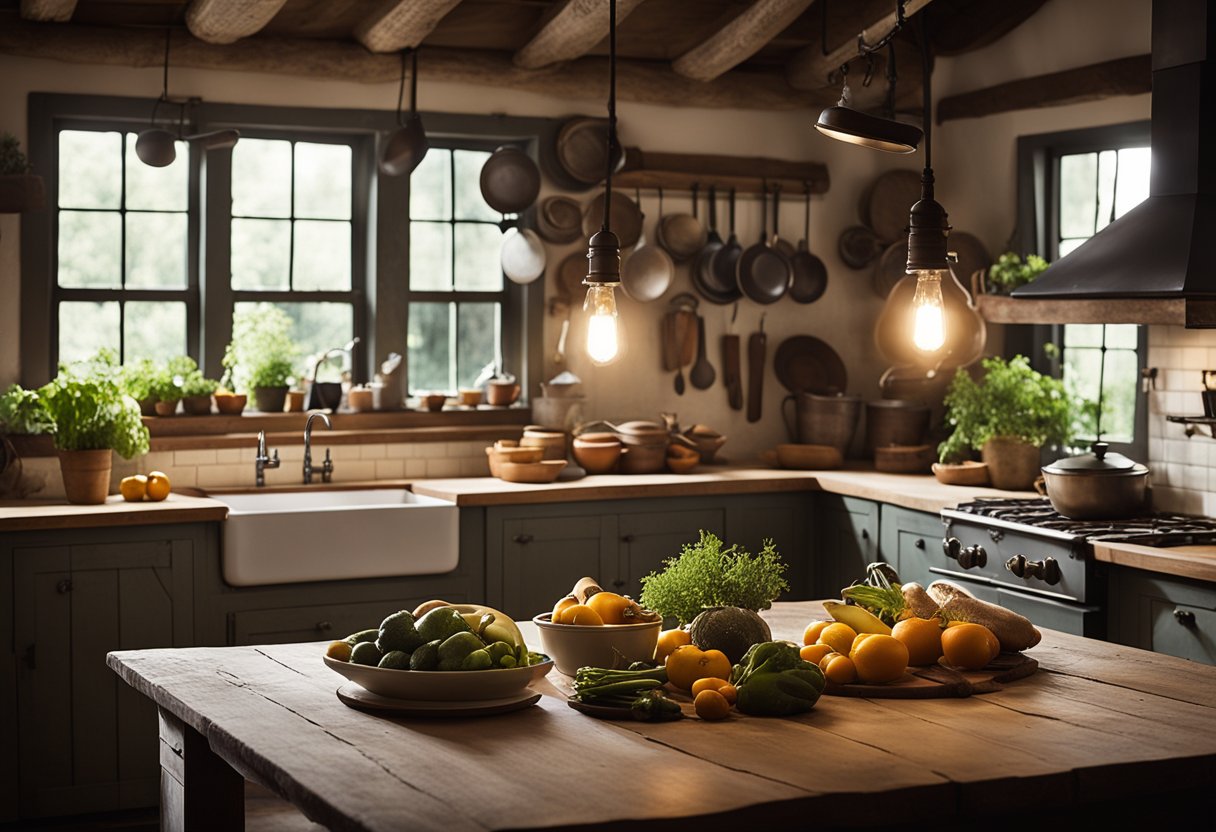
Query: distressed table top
[(1097, 720)]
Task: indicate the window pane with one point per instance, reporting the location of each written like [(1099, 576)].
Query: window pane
[(430, 256), (322, 256), (1106, 187), (261, 178), (1122, 336), (478, 261), (90, 247), (1134, 169), (1069, 246), (260, 253), (1083, 335), (477, 340), (90, 169), (428, 347), (469, 203), (156, 251), (323, 181), (430, 187), (86, 327), (318, 327), (1119, 386), (1082, 372), (154, 329), (157, 189), (1078, 176)]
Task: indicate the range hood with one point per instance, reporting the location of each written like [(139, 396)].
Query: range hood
[(1157, 263)]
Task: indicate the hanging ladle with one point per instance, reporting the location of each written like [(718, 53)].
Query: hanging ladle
[(406, 147)]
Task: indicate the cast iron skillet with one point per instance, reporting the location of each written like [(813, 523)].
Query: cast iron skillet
[(763, 273), (510, 180), (721, 281), (810, 276)]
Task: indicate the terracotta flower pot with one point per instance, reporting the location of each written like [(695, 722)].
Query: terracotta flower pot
[(166, 407), (197, 405), (1013, 465), (86, 475), (270, 399)]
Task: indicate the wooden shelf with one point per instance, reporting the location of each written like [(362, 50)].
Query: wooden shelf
[(1003, 309), (746, 174)]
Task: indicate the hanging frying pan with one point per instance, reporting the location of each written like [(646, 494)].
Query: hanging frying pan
[(626, 218), (721, 281), (559, 219), (510, 180), (763, 273), (704, 264), (858, 246), (809, 275), (783, 247), (647, 272), (683, 235), (407, 145)]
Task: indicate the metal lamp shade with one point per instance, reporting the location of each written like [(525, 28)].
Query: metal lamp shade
[(856, 127), (405, 148), (155, 147)]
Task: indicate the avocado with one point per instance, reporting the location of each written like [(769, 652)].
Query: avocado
[(454, 649), (426, 657), (729, 629), (477, 660), (366, 653), (395, 660), (441, 623), (397, 632)]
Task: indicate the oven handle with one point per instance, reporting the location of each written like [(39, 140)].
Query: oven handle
[(980, 579)]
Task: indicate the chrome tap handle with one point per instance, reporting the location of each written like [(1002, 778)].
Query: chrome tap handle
[(327, 468), (261, 461)]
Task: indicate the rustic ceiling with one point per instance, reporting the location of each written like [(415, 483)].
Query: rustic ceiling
[(760, 54)]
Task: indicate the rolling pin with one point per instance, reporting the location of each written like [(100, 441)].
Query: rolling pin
[(756, 343)]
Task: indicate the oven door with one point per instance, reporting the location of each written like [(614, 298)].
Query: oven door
[(1077, 619)]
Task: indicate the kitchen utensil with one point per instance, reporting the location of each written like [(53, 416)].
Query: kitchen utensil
[(904, 459), (1096, 486), (598, 456), (510, 180), (896, 422), (704, 263), (626, 220), (762, 272), (892, 267), (584, 645), (809, 276), (756, 344), (708, 443), (683, 235), (732, 375), (407, 145), (809, 457), (858, 246), (502, 393), (964, 473), (885, 204), (441, 685), (804, 363), (500, 453), (702, 373), (822, 420), (721, 284), (581, 150), (570, 276), (523, 255), (559, 220), (779, 243), (647, 273)]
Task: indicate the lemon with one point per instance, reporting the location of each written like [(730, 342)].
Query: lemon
[(158, 486), (133, 489)]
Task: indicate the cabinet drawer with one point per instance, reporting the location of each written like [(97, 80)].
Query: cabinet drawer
[(1181, 630), (912, 542), (315, 623)]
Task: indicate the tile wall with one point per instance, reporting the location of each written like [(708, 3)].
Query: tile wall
[(1183, 470)]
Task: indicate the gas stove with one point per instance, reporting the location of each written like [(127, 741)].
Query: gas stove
[(1161, 530)]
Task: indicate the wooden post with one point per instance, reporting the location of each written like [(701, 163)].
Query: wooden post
[(199, 792)]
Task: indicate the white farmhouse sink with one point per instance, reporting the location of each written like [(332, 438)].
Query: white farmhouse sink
[(300, 536)]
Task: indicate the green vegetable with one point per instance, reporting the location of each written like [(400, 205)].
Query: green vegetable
[(773, 680), (1010, 272), (638, 690), (365, 652), (397, 633), (1011, 400), (705, 574), (395, 660), (653, 706), (878, 595)]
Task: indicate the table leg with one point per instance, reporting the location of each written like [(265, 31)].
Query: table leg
[(199, 792)]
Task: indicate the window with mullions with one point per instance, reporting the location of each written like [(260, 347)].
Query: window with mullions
[(122, 249), (456, 286)]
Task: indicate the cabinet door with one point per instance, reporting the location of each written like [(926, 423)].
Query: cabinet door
[(783, 519), (88, 742), (320, 622), (542, 557), (912, 543), (649, 538), (1164, 614), (846, 540)]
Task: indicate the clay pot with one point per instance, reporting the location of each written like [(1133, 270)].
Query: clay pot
[(597, 456), (230, 404), (86, 475), (270, 399), (166, 407), (1013, 465), (197, 405)]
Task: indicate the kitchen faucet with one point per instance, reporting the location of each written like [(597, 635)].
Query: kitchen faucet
[(327, 467), (261, 462)]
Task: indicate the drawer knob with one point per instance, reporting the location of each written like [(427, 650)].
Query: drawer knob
[(1185, 617), (324, 626), (627, 538), (865, 534), (522, 538), (64, 586), (618, 584)]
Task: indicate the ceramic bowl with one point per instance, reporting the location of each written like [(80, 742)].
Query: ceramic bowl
[(230, 403), (904, 459), (433, 402), (442, 685), (643, 459), (611, 645), (531, 472), (498, 455), (809, 457), (707, 444), (553, 441), (966, 473), (597, 457)]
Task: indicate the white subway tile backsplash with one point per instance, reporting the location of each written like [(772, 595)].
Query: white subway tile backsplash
[(415, 468), (399, 450), (354, 471), (213, 476), (372, 451), (390, 469), (198, 457), (443, 468), (234, 456), (1195, 477), (1193, 358)]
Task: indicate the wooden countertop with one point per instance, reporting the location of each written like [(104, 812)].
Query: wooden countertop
[(1096, 723), (27, 515), (1195, 562)]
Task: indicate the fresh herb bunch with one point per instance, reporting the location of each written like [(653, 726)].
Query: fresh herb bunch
[(12, 160), (89, 410), (189, 378), (137, 378), (262, 352), (21, 411), (705, 574), (1011, 400), (1010, 271)]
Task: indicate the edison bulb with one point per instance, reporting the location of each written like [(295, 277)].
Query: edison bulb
[(929, 327), (603, 342)]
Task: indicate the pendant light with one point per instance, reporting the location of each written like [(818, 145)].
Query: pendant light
[(604, 249)]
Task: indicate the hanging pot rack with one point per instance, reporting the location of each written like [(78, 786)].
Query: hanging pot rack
[(650, 170)]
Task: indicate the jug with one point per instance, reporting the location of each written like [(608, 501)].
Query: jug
[(822, 420)]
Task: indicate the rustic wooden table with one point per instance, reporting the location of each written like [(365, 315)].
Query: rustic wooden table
[(1099, 724)]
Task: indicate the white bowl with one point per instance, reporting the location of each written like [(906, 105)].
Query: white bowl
[(442, 685), (613, 646)]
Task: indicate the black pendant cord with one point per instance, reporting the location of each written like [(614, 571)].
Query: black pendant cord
[(927, 87), (401, 84), (164, 83), (612, 142)]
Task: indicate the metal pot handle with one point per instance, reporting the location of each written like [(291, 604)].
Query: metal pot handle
[(1040, 485)]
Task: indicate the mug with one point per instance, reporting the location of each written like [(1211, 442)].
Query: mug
[(502, 393), (434, 401), (470, 396)]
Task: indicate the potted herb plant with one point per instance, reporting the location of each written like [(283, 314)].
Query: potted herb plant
[(137, 378), (261, 356), (164, 390), (20, 190), (1007, 416), (196, 389)]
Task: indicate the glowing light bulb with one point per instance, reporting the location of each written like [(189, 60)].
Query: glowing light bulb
[(603, 343), (929, 328)]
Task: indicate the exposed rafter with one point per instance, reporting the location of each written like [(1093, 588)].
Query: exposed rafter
[(740, 39), (48, 11), (399, 24), (809, 68), (227, 21), (571, 30)]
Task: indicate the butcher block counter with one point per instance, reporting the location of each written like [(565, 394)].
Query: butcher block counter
[(1100, 731), (26, 515)]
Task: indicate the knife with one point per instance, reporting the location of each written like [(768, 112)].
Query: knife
[(731, 375), (755, 371)]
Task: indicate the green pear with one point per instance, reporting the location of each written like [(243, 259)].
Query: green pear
[(365, 652), (477, 660), (440, 623), (397, 632), (426, 657), (499, 649), (455, 647), (395, 660)]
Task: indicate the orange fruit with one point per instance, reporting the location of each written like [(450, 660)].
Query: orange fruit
[(133, 489), (827, 660), (689, 663), (708, 683), (880, 659), (580, 614), (613, 608), (669, 640), (860, 638), (968, 646), (811, 634), (709, 704), (922, 637), (729, 693), (339, 650), (838, 636), (840, 669), (560, 606), (814, 652), (158, 486)]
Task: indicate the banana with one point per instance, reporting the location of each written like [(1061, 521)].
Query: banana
[(500, 627), (859, 618)]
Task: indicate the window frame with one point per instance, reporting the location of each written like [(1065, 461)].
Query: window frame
[(380, 226), (1037, 230)]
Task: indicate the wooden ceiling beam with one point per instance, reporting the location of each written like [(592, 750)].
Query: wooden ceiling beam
[(808, 70), (740, 39), (401, 24), (643, 81), (48, 11), (570, 31), (227, 21)]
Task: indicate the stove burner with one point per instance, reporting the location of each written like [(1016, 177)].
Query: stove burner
[(1159, 530)]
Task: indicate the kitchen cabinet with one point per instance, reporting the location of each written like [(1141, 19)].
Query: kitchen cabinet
[(1163, 614), (911, 541), (85, 742), (845, 540)]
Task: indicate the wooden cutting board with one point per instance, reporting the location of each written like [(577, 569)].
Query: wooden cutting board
[(941, 682)]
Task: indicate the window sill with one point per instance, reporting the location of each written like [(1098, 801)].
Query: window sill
[(179, 433)]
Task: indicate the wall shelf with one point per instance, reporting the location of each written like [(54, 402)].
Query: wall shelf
[(1195, 424), (746, 174)]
